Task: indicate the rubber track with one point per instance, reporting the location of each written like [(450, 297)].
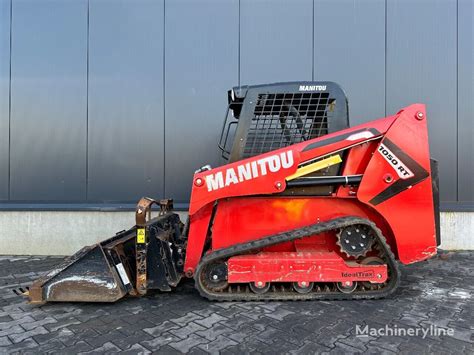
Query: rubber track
[(292, 235)]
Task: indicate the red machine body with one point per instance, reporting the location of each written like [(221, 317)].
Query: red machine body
[(325, 218), (245, 201)]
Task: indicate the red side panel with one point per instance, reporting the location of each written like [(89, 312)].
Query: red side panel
[(199, 226), (243, 219), (396, 183), (266, 173)]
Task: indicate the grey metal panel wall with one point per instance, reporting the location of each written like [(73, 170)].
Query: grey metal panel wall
[(48, 100), (275, 41), (114, 99), (126, 140), (466, 100), (201, 49), (4, 96), (349, 48), (421, 67)]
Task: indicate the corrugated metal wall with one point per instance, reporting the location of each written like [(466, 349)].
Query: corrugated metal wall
[(103, 101)]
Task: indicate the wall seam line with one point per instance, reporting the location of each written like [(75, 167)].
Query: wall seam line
[(10, 104), (457, 101), (164, 100), (385, 61), (87, 102), (312, 47), (238, 46)]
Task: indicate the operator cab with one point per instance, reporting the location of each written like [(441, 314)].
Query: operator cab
[(262, 118)]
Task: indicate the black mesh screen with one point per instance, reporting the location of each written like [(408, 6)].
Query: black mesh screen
[(284, 119)]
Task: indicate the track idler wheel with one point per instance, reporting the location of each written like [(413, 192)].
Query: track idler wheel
[(371, 260), (347, 286), (259, 287), (216, 276), (303, 287)]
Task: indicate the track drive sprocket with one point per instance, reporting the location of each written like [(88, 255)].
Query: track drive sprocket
[(355, 240)]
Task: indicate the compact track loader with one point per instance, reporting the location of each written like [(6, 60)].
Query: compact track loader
[(305, 208)]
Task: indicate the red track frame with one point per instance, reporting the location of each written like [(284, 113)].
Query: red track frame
[(309, 266)]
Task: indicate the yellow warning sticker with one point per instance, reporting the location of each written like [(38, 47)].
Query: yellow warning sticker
[(140, 235)]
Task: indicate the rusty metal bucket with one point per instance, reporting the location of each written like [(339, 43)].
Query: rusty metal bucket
[(148, 256), (86, 276)]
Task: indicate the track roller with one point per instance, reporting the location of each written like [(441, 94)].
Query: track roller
[(303, 287), (259, 287), (346, 287)]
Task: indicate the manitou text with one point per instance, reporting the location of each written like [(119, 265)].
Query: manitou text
[(250, 170)]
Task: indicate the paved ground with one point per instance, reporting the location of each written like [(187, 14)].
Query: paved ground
[(434, 294)]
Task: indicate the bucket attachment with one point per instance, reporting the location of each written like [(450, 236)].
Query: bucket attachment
[(148, 256)]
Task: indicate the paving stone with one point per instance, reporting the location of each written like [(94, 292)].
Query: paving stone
[(279, 314), (106, 348), (53, 345), (189, 317), (451, 346), (215, 331), (96, 324), (387, 343), (168, 350), (42, 322), (270, 334), (160, 341), (78, 348), (21, 347), (263, 323), (373, 350), (206, 312), (45, 338), (198, 351), (19, 337), (227, 312), (250, 345), (283, 347), (104, 338), (62, 324), (16, 329), (187, 330), (243, 333), (210, 321), (462, 334), (130, 329), (239, 349), (5, 319), (23, 320), (346, 348), (136, 349), (159, 329), (357, 342), (310, 348), (186, 344), (124, 343), (158, 316), (4, 341), (220, 343), (237, 321)]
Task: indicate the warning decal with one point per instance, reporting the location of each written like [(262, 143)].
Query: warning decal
[(140, 235)]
